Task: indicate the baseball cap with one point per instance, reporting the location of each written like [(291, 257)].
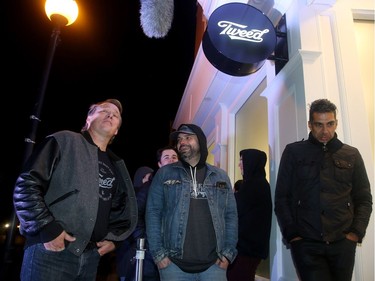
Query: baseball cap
[(184, 129)]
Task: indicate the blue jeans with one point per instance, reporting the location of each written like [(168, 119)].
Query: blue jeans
[(173, 273), (40, 264)]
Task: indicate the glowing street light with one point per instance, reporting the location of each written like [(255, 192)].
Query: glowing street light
[(65, 8)]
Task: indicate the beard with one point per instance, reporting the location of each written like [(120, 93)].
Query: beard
[(187, 152)]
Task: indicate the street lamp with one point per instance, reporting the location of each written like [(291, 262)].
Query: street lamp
[(61, 13), (67, 9)]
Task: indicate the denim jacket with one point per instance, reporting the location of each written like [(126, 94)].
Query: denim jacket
[(168, 208)]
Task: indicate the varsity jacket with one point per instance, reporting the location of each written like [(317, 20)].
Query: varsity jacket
[(58, 190)]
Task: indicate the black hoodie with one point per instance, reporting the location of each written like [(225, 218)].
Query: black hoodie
[(254, 206)]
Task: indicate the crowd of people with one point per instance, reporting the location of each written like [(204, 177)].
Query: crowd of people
[(76, 202)]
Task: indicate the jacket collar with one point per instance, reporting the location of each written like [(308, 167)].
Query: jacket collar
[(332, 146)]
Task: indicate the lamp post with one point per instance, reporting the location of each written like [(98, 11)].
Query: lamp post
[(61, 13)]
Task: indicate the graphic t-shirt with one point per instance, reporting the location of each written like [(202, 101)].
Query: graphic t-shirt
[(200, 242), (106, 189)]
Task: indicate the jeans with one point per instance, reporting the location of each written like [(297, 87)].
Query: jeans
[(320, 261), (40, 264), (173, 273)]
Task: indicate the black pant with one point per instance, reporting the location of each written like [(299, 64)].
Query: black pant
[(320, 261), (243, 268)]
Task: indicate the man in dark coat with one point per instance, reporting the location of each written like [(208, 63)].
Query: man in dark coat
[(323, 200)]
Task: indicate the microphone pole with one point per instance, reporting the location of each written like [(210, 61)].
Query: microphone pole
[(140, 256)]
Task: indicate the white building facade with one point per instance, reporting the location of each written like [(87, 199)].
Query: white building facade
[(331, 55)]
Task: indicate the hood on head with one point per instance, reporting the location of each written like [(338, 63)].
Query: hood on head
[(253, 162), (140, 174), (193, 129)]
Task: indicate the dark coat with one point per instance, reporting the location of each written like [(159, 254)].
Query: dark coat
[(58, 190), (254, 206), (322, 191)]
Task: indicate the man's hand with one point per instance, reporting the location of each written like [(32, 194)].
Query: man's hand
[(58, 244), (222, 263), (105, 246), (352, 236), (295, 239), (164, 263)]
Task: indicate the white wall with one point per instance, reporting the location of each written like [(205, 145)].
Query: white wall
[(325, 61)]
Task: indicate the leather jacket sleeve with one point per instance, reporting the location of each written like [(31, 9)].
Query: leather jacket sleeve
[(30, 187)]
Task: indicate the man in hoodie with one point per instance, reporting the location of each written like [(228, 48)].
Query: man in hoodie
[(191, 214), (254, 207)]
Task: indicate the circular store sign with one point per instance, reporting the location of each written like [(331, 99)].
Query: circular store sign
[(238, 39)]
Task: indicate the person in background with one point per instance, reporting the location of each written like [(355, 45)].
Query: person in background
[(75, 200), (141, 176), (237, 185), (126, 253), (166, 155), (191, 215), (142, 180), (323, 199), (254, 207)]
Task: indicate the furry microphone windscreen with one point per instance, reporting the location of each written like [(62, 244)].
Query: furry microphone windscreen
[(156, 17)]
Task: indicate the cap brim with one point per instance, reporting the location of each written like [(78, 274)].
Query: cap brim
[(174, 135)]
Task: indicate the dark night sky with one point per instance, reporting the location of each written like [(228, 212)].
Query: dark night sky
[(104, 54)]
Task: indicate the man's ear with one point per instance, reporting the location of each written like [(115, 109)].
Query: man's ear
[(156, 17)]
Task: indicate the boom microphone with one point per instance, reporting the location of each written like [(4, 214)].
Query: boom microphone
[(156, 17)]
